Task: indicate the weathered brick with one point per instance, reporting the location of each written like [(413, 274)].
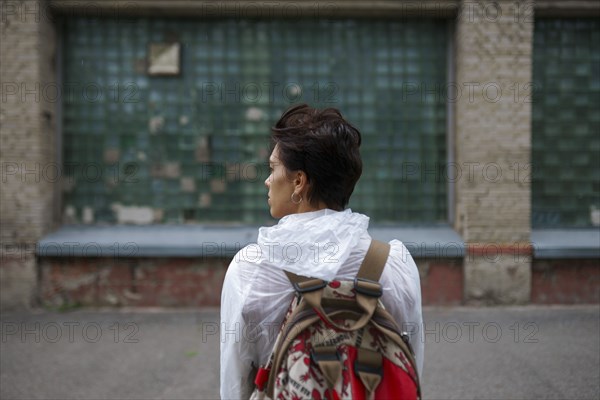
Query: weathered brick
[(27, 137), (66, 282), (441, 281), (17, 279), (492, 129), (565, 281)]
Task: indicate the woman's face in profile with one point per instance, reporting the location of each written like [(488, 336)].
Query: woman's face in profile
[(280, 188)]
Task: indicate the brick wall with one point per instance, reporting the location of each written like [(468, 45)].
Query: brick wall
[(492, 137), (196, 282), (565, 281), (492, 144), (27, 144), (442, 281), (185, 282)]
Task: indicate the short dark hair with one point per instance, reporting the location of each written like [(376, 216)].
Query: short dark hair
[(323, 145)]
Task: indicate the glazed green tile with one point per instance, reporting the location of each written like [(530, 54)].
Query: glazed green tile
[(564, 122), (159, 121)]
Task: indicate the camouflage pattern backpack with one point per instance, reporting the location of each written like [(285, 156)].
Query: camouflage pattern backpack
[(338, 342)]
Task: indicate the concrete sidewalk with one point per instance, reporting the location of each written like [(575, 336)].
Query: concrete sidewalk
[(471, 353)]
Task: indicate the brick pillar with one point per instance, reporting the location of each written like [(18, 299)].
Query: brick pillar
[(29, 171), (492, 148)]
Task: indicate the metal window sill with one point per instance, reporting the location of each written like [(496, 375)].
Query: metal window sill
[(566, 243)]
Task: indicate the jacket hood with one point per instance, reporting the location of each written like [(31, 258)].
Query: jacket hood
[(314, 244)]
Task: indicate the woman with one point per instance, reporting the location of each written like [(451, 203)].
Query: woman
[(315, 164)]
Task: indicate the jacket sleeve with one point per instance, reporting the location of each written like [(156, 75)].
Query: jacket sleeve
[(402, 296), (254, 301), (236, 354)]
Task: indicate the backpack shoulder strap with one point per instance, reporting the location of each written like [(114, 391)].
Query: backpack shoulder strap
[(374, 262), (370, 269), (296, 278)]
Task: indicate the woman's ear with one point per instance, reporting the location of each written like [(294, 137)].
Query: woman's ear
[(300, 181)]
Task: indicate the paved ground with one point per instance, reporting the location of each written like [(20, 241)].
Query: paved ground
[(471, 353)]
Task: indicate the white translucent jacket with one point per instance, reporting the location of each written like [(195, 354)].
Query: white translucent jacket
[(256, 293)]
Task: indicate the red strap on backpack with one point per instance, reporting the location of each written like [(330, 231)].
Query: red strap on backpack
[(262, 377)]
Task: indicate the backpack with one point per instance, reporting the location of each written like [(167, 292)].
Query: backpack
[(338, 342)]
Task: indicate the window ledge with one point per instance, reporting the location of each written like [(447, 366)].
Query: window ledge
[(205, 241), (566, 243), (424, 242), (145, 241)]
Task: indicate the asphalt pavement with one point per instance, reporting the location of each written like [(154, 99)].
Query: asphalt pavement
[(470, 353)]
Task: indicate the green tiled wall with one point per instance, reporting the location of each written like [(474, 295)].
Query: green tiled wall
[(566, 123), (193, 147)]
